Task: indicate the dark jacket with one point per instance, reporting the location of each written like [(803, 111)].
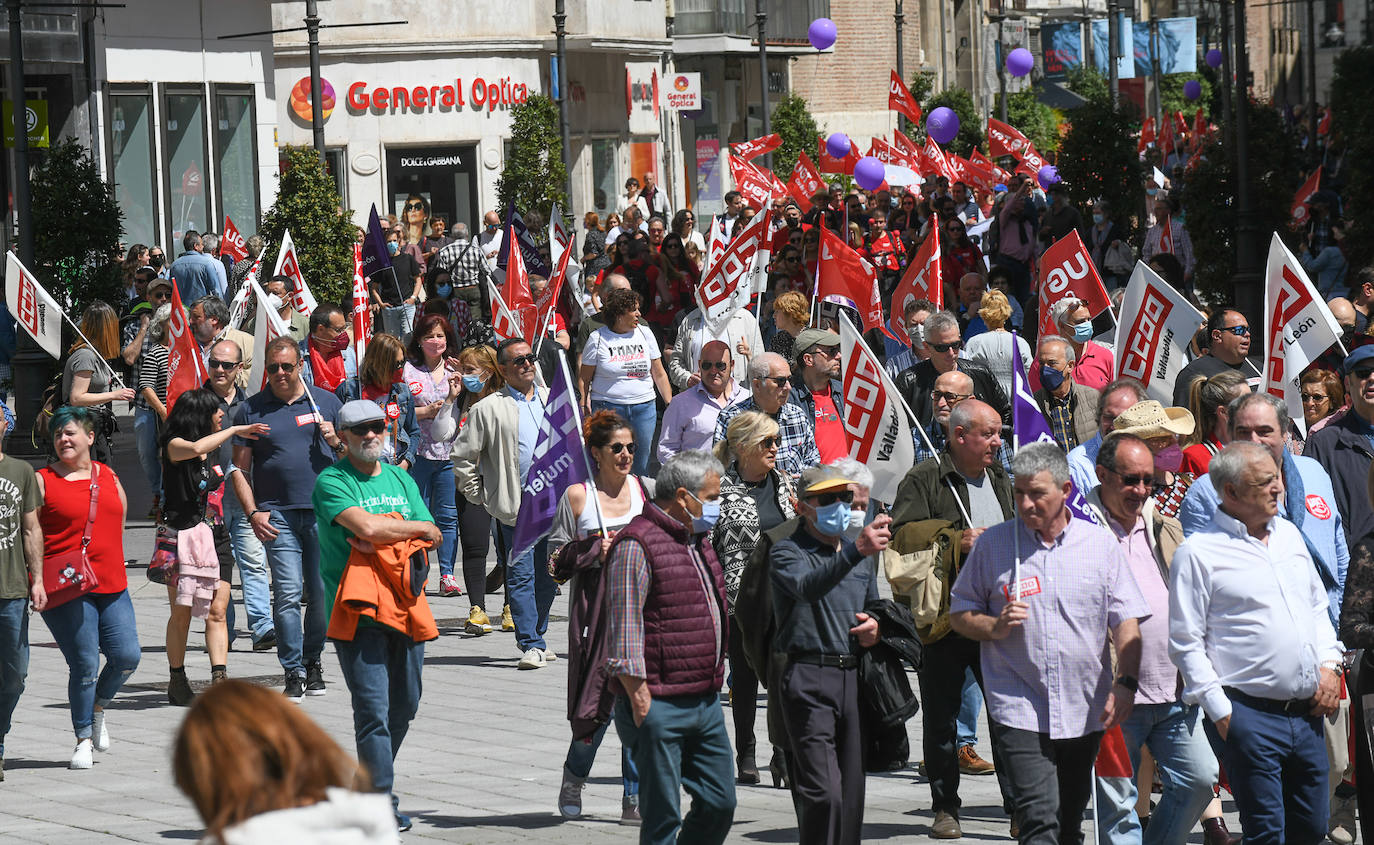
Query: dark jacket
[(590, 692), (917, 382), (924, 493), (681, 651), (885, 697), (817, 589), (801, 397), (1084, 408), (1345, 453), (407, 426)]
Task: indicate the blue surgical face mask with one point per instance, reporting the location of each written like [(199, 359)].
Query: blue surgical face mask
[(710, 513), (1083, 332), (474, 384), (443, 291), (1051, 378), (832, 519), (1098, 218), (393, 247), (1149, 192)]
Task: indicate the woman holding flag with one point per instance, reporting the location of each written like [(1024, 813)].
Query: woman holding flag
[(380, 379), (87, 375)]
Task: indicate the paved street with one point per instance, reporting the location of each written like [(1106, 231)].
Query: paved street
[(482, 763)]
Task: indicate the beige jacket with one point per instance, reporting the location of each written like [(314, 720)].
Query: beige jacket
[(486, 456)]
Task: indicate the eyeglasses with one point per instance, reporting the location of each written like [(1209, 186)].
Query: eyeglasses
[(1361, 373), (945, 347), (825, 499), (363, 429), (778, 381), (273, 369), (1312, 397), (708, 366), (523, 360), (216, 364), (617, 448), (415, 206), (398, 366), (1133, 480), (767, 443), (1238, 331), (951, 398)]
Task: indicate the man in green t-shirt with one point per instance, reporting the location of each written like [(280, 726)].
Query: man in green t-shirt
[(381, 665), (21, 557)]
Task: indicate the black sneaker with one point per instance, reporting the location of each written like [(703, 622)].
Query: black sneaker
[(295, 687), (179, 691), (314, 679), (267, 643)]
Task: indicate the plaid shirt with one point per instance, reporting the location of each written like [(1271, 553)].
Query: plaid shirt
[(1060, 417), (796, 442), (463, 260)]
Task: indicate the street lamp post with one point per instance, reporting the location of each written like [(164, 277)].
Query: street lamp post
[(1249, 276), (312, 30), (560, 20), (761, 17), (898, 19)]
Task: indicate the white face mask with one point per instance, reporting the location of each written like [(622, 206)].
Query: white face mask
[(274, 302)]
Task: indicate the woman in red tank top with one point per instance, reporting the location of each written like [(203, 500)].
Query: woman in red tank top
[(103, 619)]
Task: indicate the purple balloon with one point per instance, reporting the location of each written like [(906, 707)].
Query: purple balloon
[(821, 33), (1214, 57), (942, 124), (1047, 176), (837, 145), (869, 173), (1192, 89), (1020, 61)]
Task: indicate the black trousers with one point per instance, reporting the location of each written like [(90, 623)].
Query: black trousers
[(744, 694), (474, 537), (820, 705), (942, 683), (1051, 781)]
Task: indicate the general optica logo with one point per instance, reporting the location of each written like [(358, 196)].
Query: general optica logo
[(681, 83), (300, 99)]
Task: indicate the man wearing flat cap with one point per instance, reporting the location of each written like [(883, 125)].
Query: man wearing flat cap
[(1160, 428), (821, 584), (817, 390), (1345, 446)]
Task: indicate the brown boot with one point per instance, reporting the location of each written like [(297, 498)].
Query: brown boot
[(971, 764), (1214, 832)]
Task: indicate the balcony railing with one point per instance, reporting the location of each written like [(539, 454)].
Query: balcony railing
[(787, 19)]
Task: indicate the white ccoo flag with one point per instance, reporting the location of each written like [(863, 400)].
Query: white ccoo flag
[(33, 307), (879, 429), (1157, 323), (1298, 327)]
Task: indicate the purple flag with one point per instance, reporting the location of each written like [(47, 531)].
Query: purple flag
[(559, 461), (516, 229), (374, 246), (1028, 426)]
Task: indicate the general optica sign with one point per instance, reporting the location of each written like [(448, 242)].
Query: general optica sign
[(490, 94)]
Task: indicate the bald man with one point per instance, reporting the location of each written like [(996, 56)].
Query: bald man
[(590, 323)]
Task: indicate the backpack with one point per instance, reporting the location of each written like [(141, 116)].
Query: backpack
[(754, 603)]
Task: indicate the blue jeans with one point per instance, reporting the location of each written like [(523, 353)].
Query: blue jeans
[(439, 488), (1186, 766), (1278, 772), (294, 556), (149, 456), (85, 628), (529, 591), (682, 744), (970, 704), (14, 659), (397, 320), (581, 754), (382, 670), (642, 417), (252, 562)]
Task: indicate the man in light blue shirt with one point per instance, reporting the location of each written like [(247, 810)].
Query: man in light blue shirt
[(198, 274), (1117, 397)]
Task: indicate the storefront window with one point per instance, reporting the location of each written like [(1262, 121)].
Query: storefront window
[(445, 177), (605, 187), (184, 162), (131, 151), (237, 181)]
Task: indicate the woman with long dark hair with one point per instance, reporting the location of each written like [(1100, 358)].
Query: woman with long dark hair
[(192, 507), (594, 257), (685, 227)]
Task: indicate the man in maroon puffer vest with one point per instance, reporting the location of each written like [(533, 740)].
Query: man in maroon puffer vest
[(667, 625)]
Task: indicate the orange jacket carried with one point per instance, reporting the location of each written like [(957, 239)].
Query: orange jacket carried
[(377, 585)]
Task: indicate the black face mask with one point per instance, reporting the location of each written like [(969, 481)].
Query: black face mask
[(156, 261)]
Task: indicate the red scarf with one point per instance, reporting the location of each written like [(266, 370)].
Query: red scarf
[(326, 365)]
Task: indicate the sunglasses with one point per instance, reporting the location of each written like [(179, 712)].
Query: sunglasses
[(414, 206), (398, 366), (945, 347), (159, 294), (617, 448), (1313, 397), (778, 381), (374, 427), (827, 351), (216, 364), (1134, 480), (770, 442), (951, 398), (523, 360), (826, 499), (708, 366), (273, 369), (1362, 373), (1238, 331)]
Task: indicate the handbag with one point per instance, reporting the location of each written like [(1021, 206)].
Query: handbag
[(69, 575)]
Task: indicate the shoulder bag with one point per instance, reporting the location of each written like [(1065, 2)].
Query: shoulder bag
[(69, 575)]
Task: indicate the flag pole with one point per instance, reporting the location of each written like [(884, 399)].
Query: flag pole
[(577, 418)]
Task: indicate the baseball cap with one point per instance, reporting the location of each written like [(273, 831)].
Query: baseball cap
[(1359, 356), (821, 479), (359, 411), (809, 339), (158, 282)]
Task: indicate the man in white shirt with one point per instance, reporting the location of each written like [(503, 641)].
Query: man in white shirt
[(741, 334), (1250, 632)]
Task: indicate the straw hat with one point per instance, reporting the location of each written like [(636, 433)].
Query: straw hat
[(1150, 419)]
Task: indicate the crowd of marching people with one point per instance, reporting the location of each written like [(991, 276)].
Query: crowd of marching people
[(1156, 587)]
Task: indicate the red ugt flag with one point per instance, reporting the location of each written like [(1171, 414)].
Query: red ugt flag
[(231, 242), (844, 274), (362, 316), (806, 181), (756, 187), (185, 369), (922, 280), (747, 150), (1067, 272), (830, 164), (1166, 236), (1298, 212), (900, 99)]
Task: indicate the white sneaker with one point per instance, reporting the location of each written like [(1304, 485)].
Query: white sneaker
[(533, 659), (81, 757), (100, 736), (549, 655)]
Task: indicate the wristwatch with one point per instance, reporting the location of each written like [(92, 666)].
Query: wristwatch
[(1129, 682)]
